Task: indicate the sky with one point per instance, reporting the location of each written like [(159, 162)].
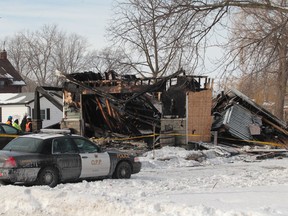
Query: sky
[(88, 18), (216, 184)]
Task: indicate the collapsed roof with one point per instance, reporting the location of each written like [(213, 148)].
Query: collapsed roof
[(237, 115), (123, 104)]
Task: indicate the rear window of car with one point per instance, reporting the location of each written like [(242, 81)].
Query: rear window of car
[(25, 144)]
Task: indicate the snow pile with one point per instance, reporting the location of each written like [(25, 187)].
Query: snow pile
[(179, 157), (173, 181)]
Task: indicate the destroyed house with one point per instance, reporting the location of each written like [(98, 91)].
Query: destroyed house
[(238, 117), (97, 105), (187, 110)]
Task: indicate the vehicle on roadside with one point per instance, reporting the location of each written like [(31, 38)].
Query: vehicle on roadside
[(49, 159), (7, 133)]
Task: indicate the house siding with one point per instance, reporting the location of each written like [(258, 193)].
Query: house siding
[(10, 89), (16, 111), (19, 110), (55, 114)]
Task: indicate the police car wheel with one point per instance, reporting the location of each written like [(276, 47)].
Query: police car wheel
[(122, 171), (3, 182), (48, 176)]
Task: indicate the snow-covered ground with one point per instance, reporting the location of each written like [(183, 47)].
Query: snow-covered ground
[(173, 182)]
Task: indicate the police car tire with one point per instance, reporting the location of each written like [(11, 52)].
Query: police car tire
[(3, 182), (48, 176), (122, 171)]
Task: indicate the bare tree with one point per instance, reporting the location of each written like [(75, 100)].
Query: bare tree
[(163, 35), (261, 88), (110, 59), (36, 55), (259, 45), (156, 42), (180, 6)]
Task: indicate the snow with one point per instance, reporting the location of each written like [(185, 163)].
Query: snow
[(7, 75), (18, 82), (6, 98), (173, 181)]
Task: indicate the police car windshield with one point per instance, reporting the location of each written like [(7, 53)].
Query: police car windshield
[(25, 144)]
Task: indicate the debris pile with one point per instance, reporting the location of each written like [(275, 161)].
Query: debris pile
[(111, 105), (124, 110), (238, 119)]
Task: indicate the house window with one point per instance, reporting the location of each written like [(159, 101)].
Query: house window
[(48, 114), (42, 114), (2, 84)]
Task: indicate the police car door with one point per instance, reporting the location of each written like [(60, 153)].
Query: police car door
[(94, 162), (67, 157), (7, 133)]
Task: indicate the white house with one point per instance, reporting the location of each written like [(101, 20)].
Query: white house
[(19, 104)]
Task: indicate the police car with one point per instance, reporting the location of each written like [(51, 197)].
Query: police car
[(7, 133), (48, 159)]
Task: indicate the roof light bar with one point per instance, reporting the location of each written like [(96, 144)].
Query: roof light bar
[(56, 131)]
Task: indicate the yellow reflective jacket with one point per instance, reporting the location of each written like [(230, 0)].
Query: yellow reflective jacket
[(16, 126)]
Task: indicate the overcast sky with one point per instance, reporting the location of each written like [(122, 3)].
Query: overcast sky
[(88, 18)]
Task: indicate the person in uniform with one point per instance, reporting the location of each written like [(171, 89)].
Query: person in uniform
[(16, 124), (9, 121), (28, 127)]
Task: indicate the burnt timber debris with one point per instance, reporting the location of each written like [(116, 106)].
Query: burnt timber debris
[(97, 105), (240, 119), (178, 110)]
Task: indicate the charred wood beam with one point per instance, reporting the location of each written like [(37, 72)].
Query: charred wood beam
[(276, 126), (115, 122), (103, 113), (143, 101), (36, 113), (122, 88), (155, 86), (43, 91), (37, 122), (144, 119), (51, 88), (144, 112), (96, 91), (108, 107)]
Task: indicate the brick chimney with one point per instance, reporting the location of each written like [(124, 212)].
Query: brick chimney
[(3, 54)]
